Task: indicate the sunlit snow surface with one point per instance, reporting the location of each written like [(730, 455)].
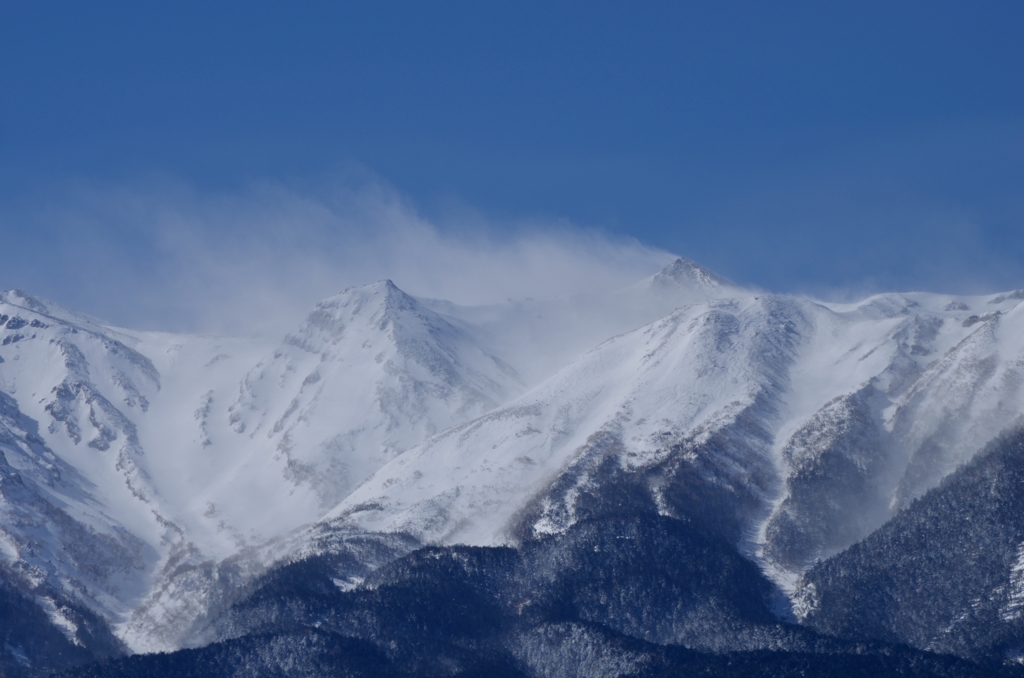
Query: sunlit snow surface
[(134, 457)]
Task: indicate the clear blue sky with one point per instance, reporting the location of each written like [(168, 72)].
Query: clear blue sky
[(797, 146)]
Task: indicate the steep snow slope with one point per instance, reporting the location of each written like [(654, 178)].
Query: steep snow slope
[(80, 510), (539, 337), (370, 373), (700, 368), (150, 474), (964, 398), (801, 413), (190, 457), (252, 442), (151, 452)]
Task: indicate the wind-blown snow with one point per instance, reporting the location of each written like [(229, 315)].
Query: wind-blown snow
[(135, 463)]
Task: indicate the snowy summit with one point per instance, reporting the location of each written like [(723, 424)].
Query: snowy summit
[(147, 477)]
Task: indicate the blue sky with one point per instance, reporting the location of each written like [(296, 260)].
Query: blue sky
[(804, 147)]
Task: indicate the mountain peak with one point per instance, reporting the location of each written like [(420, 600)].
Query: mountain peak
[(386, 286), (29, 302), (689, 273), (366, 301), (393, 294)]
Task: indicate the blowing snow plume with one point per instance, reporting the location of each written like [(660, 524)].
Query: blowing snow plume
[(167, 256)]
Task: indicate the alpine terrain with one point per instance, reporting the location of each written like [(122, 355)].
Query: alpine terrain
[(683, 477)]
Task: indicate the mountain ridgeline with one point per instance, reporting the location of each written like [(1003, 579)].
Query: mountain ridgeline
[(680, 477)]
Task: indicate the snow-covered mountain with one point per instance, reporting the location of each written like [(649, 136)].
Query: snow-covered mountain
[(371, 373), (816, 421), (539, 337), (149, 477)]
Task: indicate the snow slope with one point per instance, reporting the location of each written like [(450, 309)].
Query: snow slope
[(369, 374), (150, 474), (539, 337), (762, 394)]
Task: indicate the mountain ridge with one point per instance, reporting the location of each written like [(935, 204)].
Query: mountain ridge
[(192, 466)]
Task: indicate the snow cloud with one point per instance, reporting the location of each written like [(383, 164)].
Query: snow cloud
[(165, 256)]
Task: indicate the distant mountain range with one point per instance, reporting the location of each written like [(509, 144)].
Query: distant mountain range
[(683, 476)]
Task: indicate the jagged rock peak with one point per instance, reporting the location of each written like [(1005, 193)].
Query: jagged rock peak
[(685, 272)]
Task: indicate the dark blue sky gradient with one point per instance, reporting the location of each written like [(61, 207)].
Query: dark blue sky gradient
[(797, 146)]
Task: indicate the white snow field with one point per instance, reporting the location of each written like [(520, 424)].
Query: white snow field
[(136, 464)]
